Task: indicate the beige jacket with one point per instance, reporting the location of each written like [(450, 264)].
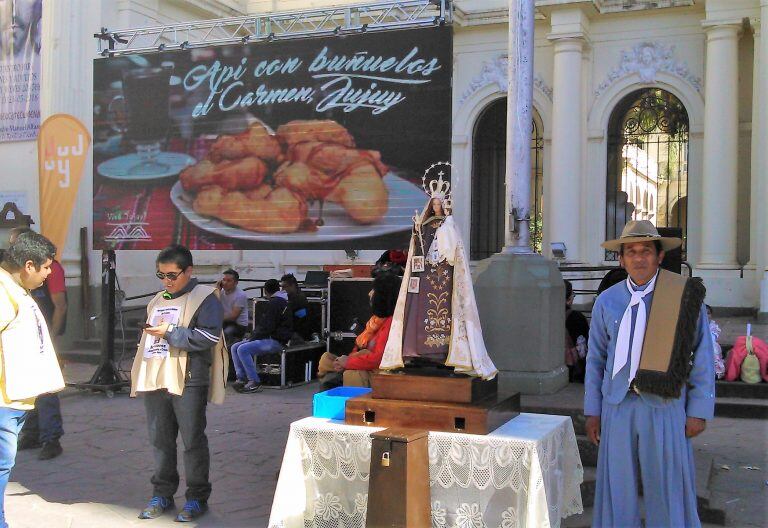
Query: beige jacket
[(155, 373), (28, 364)]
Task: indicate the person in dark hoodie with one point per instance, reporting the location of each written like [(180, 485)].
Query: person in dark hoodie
[(271, 334)]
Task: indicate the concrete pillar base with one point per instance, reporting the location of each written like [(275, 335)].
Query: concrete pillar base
[(533, 382), (521, 299)]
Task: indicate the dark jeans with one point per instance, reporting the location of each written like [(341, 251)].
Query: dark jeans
[(44, 422), (167, 415), (242, 354), (11, 421)]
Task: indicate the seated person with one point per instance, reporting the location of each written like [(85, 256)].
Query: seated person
[(271, 334), (614, 276), (714, 330), (392, 260), (235, 304), (355, 369), (299, 307), (576, 336)]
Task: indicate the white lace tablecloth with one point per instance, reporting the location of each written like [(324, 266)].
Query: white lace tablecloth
[(526, 473)]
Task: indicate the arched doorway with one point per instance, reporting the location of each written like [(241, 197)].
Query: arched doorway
[(647, 163), (489, 155)]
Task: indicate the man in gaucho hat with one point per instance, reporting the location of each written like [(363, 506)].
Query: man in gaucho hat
[(649, 387)]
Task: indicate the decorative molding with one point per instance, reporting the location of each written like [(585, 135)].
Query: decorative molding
[(647, 60), (495, 71), (622, 6)]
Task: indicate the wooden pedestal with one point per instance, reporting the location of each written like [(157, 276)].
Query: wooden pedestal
[(398, 490), (478, 418), (406, 386)]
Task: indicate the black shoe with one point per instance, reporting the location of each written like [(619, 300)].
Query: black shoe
[(238, 385), (50, 450), (27, 442), (156, 507), (251, 387), (192, 510)]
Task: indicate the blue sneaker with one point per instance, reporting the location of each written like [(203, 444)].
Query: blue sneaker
[(156, 507), (192, 510)]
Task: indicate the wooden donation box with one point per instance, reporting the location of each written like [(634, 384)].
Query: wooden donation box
[(398, 488), (436, 403)]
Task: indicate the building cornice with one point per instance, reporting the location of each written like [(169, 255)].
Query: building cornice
[(215, 8), (475, 13)]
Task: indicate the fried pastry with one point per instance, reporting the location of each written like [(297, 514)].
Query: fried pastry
[(208, 200), (324, 130), (332, 157), (307, 181), (281, 211), (362, 193), (240, 175), (254, 141), (197, 176)]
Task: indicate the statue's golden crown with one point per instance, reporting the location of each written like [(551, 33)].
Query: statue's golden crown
[(439, 187)]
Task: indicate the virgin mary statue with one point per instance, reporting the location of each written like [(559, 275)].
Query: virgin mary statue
[(436, 319)]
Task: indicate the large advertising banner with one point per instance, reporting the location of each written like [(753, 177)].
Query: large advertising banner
[(20, 27), (303, 144)]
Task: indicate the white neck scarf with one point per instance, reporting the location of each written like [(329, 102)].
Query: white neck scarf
[(625, 328)]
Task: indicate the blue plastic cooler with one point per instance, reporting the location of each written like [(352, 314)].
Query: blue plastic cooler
[(330, 404)]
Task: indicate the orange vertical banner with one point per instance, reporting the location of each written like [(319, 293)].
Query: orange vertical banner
[(62, 149)]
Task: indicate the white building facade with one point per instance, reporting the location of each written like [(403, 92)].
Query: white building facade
[(641, 110)]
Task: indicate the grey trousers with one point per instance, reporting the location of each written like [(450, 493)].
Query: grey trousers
[(167, 416)]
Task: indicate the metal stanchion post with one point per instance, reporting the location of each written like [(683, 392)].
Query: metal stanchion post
[(107, 377)]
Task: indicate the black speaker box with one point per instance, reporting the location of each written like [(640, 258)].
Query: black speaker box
[(349, 308)]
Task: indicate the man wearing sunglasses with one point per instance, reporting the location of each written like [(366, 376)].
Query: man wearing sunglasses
[(179, 366)]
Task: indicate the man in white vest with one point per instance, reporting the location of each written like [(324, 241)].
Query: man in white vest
[(179, 365), (28, 364)]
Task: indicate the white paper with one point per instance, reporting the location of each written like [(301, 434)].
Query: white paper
[(157, 347)]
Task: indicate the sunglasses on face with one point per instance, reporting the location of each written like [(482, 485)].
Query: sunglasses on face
[(170, 275)]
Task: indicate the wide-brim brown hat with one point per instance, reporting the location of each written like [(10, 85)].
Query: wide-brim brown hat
[(641, 231)]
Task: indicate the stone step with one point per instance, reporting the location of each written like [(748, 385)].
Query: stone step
[(739, 389), (588, 487), (587, 450), (92, 355), (94, 343), (753, 408)]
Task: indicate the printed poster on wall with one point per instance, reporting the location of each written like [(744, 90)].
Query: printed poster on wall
[(20, 32), (298, 144)]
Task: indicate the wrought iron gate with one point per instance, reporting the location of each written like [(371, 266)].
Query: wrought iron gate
[(647, 163)]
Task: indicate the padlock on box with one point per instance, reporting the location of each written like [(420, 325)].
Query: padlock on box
[(398, 488)]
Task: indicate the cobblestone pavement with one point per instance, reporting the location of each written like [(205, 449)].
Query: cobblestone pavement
[(102, 478)]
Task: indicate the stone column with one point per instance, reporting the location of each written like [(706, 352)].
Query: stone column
[(520, 294), (762, 170), (755, 210), (563, 206), (721, 132), (519, 116)]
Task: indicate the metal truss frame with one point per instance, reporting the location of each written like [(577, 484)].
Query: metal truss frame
[(375, 16)]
